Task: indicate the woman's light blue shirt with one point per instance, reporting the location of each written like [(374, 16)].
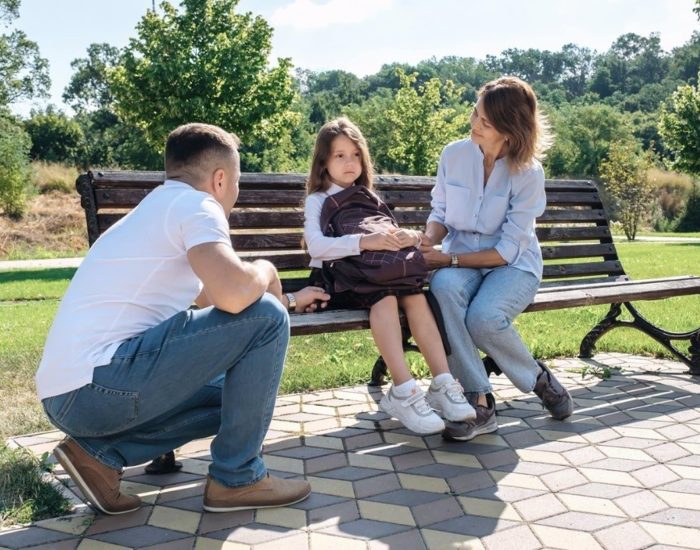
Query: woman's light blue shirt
[(498, 215)]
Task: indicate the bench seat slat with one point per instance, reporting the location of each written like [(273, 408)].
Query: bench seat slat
[(651, 289), (615, 293)]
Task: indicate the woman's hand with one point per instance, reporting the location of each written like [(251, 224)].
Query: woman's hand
[(426, 243), (310, 298), (380, 241), (434, 258)]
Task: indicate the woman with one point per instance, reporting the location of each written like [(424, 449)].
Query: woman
[(489, 190)]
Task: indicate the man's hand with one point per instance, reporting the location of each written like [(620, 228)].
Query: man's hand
[(311, 298)]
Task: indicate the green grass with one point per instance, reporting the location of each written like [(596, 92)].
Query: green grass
[(24, 496), (28, 302)]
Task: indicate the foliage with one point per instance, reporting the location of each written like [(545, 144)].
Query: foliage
[(23, 72), (88, 89), (55, 137), (24, 496), (204, 63), (672, 192), (422, 122), (52, 176), (690, 219), (14, 166), (584, 134), (370, 116), (625, 173), (679, 126), (110, 142)]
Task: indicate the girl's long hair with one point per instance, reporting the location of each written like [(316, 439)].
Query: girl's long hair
[(319, 179)]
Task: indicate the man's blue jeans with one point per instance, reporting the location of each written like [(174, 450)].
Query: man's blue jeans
[(163, 389), (478, 310)]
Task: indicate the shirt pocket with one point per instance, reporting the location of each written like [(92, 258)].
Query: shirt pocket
[(493, 213), (457, 207)]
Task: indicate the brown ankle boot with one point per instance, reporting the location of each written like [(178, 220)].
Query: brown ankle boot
[(99, 483), (269, 492)]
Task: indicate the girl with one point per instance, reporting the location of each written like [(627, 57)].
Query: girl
[(341, 160)]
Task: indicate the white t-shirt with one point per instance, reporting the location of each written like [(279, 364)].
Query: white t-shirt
[(134, 277)]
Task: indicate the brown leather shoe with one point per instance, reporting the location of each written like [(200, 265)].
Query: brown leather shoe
[(269, 492), (99, 483)]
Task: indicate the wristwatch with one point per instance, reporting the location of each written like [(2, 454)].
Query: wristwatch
[(292, 305), (454, 260)]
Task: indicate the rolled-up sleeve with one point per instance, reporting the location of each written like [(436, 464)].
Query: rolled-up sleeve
[(320, 247), (438, 200), (527, 202)]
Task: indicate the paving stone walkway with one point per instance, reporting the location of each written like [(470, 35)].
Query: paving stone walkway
[(623, 473)]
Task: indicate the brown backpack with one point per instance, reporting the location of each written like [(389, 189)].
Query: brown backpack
[(358, 210)]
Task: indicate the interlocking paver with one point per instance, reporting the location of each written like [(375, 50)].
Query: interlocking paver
[(623, 472), (539, 507), (625, 536)]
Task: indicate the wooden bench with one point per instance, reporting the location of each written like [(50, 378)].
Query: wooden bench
[(582, 267)]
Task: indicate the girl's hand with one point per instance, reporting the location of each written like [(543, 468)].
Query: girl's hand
[(426, 244), (408, 237), (380, 241)]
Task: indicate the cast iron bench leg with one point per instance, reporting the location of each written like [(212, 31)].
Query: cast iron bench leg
[(663, 337)]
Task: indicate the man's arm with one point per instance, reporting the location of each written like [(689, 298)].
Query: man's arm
[(229, 283)]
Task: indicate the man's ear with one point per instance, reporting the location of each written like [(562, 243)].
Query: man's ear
[(219, 181)]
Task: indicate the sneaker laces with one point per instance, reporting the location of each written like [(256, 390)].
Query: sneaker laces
[(455, 392), (418, 402)]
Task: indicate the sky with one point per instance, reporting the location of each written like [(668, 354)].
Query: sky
[(361, 35)]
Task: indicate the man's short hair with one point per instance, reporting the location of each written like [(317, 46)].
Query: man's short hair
[(189, 145)]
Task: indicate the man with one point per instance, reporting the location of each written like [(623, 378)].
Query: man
[(127, 366)]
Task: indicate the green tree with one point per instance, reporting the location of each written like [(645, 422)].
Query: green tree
[(88, 89), (625, 174), (679, 125), (201, 63), (23, 72), (14, 165), (370, 116), (584, 136), (110, 142), (421, 123), (55, 137)]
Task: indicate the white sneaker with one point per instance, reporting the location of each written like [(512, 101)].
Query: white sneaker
[(449, 401), (412, 411)]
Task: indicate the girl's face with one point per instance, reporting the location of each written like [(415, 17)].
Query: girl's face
[(344, 164), (483, 132)]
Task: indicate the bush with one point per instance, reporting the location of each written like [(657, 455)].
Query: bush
[(14, 167), (53, 176), (55, 137), (672, 192), (690, 219)]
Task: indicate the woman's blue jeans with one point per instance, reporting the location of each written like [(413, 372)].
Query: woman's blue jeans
[(200, 373), (478, 310)]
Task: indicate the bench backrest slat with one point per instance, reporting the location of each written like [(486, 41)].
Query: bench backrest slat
[(268, 219)]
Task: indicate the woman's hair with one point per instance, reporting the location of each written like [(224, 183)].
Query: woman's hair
[(319, 179), (510, 104)]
